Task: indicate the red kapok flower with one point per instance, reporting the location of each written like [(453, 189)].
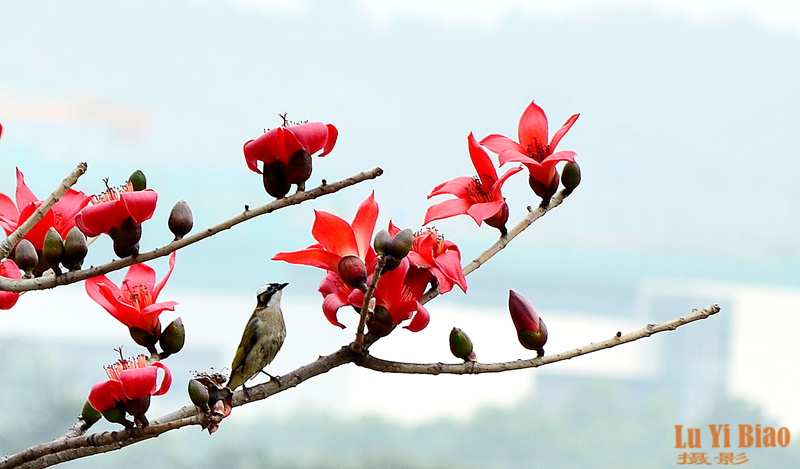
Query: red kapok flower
[(111, 208), (129, 380), (337, 239), (61, 215), (438, 256), (533, 150), (281, 143), (135, 303), (479, 197), (9, 269)]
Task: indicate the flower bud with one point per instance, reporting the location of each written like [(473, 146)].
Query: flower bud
[(531, 331), (198, 393), (53, 250), (353, 272), (125, 251), (274, 183), (391, 264), (116, 415), (127, 234), (75, 249), (461, 345), (401, 244), (380, 323), (138, 181), (25, 256), (571, 176), (180, 219), (299, 168), (173, 337), (89, 414), (381, 242)]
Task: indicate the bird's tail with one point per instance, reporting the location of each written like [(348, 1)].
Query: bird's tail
[(235, 380)]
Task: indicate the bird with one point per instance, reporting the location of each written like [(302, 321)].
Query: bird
[(262, 338)]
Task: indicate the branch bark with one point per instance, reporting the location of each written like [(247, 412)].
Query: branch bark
[(42, 283), (67, 448)]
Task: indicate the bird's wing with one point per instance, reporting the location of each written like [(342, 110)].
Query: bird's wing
[(249, 338)]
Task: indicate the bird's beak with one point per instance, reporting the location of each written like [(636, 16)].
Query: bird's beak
[(280, 287)]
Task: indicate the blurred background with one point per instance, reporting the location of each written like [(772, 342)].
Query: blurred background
[(686, 142)]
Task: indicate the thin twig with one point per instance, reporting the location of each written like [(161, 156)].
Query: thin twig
[(8, 244), (42, 283), (69, 448), (358, 343), (387, 366), (532, 216)]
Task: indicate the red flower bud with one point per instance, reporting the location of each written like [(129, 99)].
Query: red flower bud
[(531, 331)]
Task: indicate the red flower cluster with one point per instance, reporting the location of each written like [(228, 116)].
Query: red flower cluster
[(431, 261), (112, 208), (481, 197), (61, 215)]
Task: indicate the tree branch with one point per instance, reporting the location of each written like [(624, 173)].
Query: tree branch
[(42, 283), (8, 244), (532, 216), (387, 366), (67, 448)]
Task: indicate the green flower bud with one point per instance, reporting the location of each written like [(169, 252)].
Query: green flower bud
[(127, 234), (274, 183), (380, 323), (353, 272), (571, 176), (381, 242), (391, 264), (461, 345), (25, 256), (89, 414), (116, 415), (198, 393), (53, 250), (180, 219), (75, 249), (299, 168), (534, 340), (173, 337), (138, 180), (401, 244)]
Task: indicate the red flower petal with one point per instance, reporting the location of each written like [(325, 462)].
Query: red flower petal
[(450, 264), (497, 143), (446, 209), (533, 128), (457, 187), (36, 234), (364, 224), (123, 312), (105, 395), (166, 382), (563, 130), (138, 382), (24, 194), (420, 320), (333, 134), (8, 214), (315, 257), (157, 288), (334, 234), (9, 269), (312, 136), (482, 163), (139, 205), (480, 212)]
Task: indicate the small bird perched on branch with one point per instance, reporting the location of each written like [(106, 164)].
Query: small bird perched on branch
[(262, 337)]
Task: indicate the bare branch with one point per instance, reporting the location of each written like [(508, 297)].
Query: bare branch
[(532, 216), (475, 368), (42, 283), (68, 447), (8, 244)]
